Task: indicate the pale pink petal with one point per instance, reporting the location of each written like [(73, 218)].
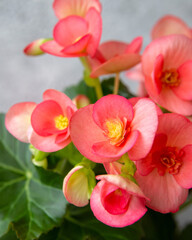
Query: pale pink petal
[(33, 49), (170, 24), (43, 118), (64, 8), (112, 107), (85, 132), (113, 168), (136, 73), (116, 64), (111, 49), (165, 194), (145, 121), (123, 183), (18, 120), (75, 187), (175, 49), (94, 21), (63, 100), (184, 90), (177, 128), (106, 149), (184, 177), (47, 144), (68, 30)]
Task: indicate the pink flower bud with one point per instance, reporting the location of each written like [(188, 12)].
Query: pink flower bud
[(78, 186), (33, 49), (81, 101)]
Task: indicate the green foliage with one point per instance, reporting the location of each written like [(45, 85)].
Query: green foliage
[(31, 198), (108, 85), (81, 88)]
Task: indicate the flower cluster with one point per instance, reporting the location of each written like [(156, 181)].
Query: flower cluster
[(146, 152)]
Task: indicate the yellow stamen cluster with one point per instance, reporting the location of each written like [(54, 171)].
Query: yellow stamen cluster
[(61, 122), (114, 131), (170, 78)]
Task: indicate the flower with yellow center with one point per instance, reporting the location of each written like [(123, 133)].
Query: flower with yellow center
[(61, 122), (114, 131)]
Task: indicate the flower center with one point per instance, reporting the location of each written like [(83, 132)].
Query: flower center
[(169, 160), (170, 78), (115, 131), (61, 122)]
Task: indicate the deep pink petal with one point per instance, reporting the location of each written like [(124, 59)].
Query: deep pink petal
[(105, 149), (79, 47), (68, 30), (52, 48), (168, 99), (112, 107), (43, 118), (145, 165), (47, 144), (165, 194), (135, 45), (184, 177), (18, 120), (184, 90), (85, 132), (94, 21), (116, 64), (145, 121), (135, 210), (177, 128), (63, 100), (170, 24), (64, 8), (158, 67)]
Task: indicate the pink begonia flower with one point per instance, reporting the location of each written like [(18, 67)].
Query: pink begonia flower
[(164, 174), (33, 49), (104, 131), (44, 125), (81, 101), (117, 201), (75, 36), (168, 25), (78, 186), (65, 8), (167, 66), (114, 57)]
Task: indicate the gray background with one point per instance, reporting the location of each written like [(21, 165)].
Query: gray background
[(22, 21)]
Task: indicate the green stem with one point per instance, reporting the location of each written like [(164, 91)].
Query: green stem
[(116, 84), (94, 82)]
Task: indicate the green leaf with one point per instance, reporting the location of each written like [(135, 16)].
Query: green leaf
[(158, 226), (94, 229), (31, 197), (9, 236), (108, 86), (81, 88)]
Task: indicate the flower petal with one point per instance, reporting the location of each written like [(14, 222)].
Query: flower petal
[(18, 120)]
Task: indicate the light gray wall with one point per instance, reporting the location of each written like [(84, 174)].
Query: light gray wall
[(22, 21)]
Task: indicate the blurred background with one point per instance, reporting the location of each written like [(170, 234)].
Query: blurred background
[(25, 78)]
